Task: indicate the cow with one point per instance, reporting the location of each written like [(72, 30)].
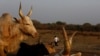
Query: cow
[(41, 49), (67, 45), (32, 50), (38, 49), (13, 31)]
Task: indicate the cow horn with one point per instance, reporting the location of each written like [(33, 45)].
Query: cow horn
[(65, 33), (71, 38), (30, 12), (20, 11), (66, 43)]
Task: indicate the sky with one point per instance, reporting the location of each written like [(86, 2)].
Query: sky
[(49, 11)]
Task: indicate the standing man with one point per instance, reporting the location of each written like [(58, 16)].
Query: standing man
[(56, 40)]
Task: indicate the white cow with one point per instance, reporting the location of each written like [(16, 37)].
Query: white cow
[(12, 33), (67, 45)]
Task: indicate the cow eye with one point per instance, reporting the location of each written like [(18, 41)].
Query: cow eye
[(27, 24)]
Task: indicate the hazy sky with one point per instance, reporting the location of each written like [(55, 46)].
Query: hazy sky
[(70, 11)]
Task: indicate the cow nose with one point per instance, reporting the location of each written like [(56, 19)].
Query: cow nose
[(36, 34)]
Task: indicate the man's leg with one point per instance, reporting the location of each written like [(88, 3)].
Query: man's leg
[(56, 44)]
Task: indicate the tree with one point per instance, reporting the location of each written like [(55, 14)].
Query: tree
[(97, 27), (87, 27), (37, 24), (60, 23)]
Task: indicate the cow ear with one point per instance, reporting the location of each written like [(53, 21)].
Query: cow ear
[(16, 20)]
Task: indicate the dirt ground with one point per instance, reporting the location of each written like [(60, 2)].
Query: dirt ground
[(88, 45)]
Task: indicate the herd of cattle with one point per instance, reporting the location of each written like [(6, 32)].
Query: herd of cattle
[(13, 31)]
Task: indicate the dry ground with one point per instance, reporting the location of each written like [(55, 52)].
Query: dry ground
[(88, 45)]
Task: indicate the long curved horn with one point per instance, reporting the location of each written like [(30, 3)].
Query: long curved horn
[(30, 12), (65, 33), (66, 43), (20, 11), (71, 38)]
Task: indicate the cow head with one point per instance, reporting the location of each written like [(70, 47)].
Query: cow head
[(26, 25)]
